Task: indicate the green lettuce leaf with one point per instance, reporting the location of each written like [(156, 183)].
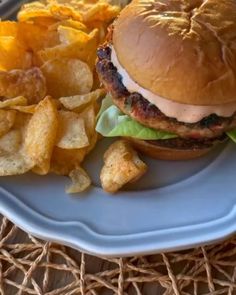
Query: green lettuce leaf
[(106, 103), (112, 122), (232, 135)]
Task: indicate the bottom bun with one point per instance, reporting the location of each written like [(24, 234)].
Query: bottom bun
[(167, 153)]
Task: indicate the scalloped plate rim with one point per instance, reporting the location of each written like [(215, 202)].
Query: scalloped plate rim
[(79, 235)]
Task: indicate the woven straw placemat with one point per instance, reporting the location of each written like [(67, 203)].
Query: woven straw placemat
[(31, 266)]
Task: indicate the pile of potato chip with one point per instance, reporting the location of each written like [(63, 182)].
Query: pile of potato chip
[(49, 89)]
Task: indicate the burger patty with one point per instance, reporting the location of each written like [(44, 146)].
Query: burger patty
[(188, 144), (140, 109)]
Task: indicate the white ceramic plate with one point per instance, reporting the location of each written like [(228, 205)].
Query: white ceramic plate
[(177, 205)]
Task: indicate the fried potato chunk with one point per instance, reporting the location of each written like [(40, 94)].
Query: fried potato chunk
[(30, 84), (122, 165)]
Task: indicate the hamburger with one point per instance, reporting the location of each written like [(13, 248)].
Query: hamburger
[(169, 67)]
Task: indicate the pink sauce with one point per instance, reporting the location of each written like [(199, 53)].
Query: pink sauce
[(182, 112)]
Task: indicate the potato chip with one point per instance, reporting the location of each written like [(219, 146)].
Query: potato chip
[(80, 181), (93, 10), (21, 125), (64, 161), (14, 51), (76, 10), (44, 21), (14, 54), (67, 77), (30, 84), (25, 109), (79, 101), (89, 117), (8, 28), (92, 143), (33, 10), (100, 11), (102, 29), (41, 135), (120, 3), (11, 141), (122, 165), (60, 37), (64, 12), (11, 102), (54, 9), (72, 133), (22, 121), (37, 37), (69, 35), (70, 3), (7, 119), (14, 164), (57, 103), (84, 51), (70, 23)]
